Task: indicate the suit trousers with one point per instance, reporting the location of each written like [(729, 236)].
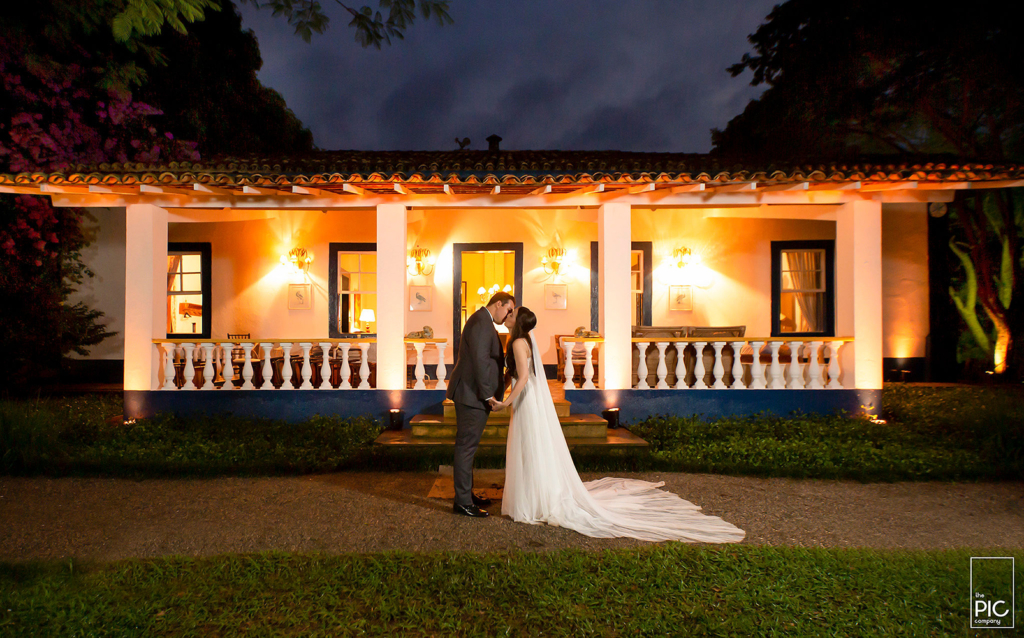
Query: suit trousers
[(469, 426)]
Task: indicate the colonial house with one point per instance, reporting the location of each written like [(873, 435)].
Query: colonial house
[(338, 282)]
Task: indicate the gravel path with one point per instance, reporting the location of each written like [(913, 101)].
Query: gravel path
[(109, 519)]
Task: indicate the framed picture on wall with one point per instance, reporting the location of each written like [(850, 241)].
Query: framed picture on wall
[(556, 296), (680, 298), (300, 296), (420, 298)]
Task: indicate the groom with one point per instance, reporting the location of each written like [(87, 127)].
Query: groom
[(475, 384)]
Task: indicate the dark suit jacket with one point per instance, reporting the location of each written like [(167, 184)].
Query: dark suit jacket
[(481, 364)]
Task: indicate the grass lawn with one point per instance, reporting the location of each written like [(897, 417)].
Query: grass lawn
[(670, 589), (944, 433)]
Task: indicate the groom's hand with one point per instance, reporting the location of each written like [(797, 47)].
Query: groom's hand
[(493, 402)]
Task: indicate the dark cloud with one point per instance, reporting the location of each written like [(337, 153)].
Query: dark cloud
[(646, 75)]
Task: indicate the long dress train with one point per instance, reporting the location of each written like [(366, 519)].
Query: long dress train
[(542, 485)]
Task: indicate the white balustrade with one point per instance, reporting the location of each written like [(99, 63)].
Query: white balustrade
[(681, 366), (441, 372), (737, 366), (813, 367), (227, 370), (588, 367), (662, 367), (168, 349), (698, 366), (346, 372), (833, 364), (719, 368), (247, 367), (208, 369), (286, 367), (266, 348), (756, 369), (419, 373), (567, 370), (641, 368), (190, 369), (796, 370), (364, 366), (775, 378), (307, 369), (325, 366)]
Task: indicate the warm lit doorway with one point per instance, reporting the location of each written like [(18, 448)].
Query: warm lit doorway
[(478, 271)]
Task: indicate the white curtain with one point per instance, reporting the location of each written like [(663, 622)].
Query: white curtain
[(803, 268), (173, 263)]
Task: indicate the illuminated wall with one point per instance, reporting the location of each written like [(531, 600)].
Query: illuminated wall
[(904, 280)]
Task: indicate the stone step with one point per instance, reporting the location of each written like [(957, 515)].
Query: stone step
[(616, 440), (561, 409), (574, 426)]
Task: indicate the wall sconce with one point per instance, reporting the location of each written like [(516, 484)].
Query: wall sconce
[(552, 261), (420, 262), (487, 293), (299, 259), (684, 257), (688, 268), (367, 317)]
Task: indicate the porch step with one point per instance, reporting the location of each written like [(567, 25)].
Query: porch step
[(574, 426), (617, 439), (561, 409)]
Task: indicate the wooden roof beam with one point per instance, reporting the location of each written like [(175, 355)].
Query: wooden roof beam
[(835, 186), (401, 190), (352, 188), (543, 190), (741, 187), (113, 190), (642, 188), (496, 190), (206, 189), (887, 186), (150, 189), (587, 190), (688, 188), (785, 186), (11, 189), (999, 183), (266, 192), (62, 188)]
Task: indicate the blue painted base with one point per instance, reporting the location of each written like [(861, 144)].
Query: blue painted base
[(637, 405), (292, 406)]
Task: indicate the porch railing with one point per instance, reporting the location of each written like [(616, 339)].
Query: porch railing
[(275, 364), (748, 363)]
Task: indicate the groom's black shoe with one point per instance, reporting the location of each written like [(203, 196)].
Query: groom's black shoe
[(481, 501), (472, 510)]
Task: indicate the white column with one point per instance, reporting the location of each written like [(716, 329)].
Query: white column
[(145, 294), (391, 302), (614, 234), (859, 291), (441, 372)]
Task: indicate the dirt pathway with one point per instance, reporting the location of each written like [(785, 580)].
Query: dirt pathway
[(107, 519)]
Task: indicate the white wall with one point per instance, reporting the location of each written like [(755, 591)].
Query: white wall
[(904, 280), (105, 228)]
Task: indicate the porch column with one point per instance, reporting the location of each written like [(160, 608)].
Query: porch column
[(859, 292), (391, 249), (614, 233), (145, 294)]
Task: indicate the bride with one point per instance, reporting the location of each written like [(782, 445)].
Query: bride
[(541, 482)]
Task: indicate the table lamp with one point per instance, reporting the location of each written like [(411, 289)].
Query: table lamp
[(367, 317)]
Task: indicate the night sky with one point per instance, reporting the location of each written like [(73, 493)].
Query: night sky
[(634, 76)]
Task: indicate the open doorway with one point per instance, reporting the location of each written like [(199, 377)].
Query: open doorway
[(479, 270)]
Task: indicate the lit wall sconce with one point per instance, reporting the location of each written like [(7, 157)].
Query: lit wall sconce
[(299, 259), (684, 257), (420, 262), (688, 269), (553, 261), (367, 317), (487, 293)]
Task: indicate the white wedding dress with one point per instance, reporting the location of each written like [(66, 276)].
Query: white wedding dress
[(542, 485)]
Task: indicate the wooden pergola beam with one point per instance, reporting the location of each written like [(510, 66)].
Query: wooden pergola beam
[(740, 187), (641, 188), (352, 188), (786, 186), (543, 190), (688, 188), (206, 189), (116, 190), (835, 186), (887, 186)]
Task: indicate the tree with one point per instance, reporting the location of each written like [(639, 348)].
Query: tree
[(903, 79)]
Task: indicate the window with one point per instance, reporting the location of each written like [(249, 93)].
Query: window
[(636, 285), (188, 290), (803, 298), (353, 289)]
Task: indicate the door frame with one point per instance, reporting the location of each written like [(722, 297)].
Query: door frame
[(457, 250)]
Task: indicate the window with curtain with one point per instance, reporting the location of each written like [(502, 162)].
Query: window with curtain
[(802, 290), (188, 294), (636, 278), (357, 292)]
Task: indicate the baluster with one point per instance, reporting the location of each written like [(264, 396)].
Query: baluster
[(346, 372), (776, 381), (737, 366), (833, 365), (698, 368), (814, 368), (662, 368), (325, 367), (567, 369), (208, 370), (441, 372), (364, 367), (267, 350), (796, 370), (227, 369), (419, 373), (247, 367), (588, 367), (719, 369), (168, 350), (190, 370), (307, 369), (286, 367), (756, 369), (641, 367), (681, 366)]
